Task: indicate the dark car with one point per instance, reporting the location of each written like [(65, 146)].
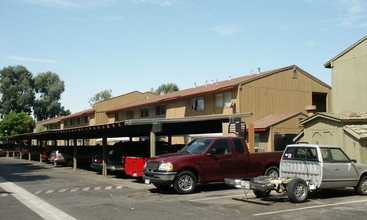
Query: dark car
[(97, 162)]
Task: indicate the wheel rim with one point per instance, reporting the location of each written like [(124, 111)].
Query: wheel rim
[(185, 183), (364, 186), (273, 174), (300, 191)]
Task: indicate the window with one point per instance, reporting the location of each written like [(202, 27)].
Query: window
[(301, 153), (334, 155), (116, 116), (238, 146), (86, 119), (257, 141), (160, 110), (144, 112), (78, 121), (223, 100), (221, 147), (129, 114), (66, 123), (71, 122), (197, 104)]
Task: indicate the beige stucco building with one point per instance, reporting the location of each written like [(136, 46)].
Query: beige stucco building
[(349, 78)]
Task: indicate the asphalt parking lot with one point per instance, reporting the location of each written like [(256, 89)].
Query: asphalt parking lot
[(30, 190)]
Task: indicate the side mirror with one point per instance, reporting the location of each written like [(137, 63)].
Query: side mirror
[(354, 161), (211, 152)]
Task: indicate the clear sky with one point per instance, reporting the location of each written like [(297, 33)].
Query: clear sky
[(128, 45)]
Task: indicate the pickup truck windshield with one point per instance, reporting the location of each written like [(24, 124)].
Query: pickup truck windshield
[(197, 147)]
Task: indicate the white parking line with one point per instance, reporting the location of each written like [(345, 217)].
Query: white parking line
[(42, 208), (310, 207), (49, 191), (86, 189), (217, 197)]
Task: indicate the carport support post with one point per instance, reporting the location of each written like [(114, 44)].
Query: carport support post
[(75, 161), (12, 142), (104, 152), (251, 137), (152, 144), (29, 147), (40, 153), (8, 146)]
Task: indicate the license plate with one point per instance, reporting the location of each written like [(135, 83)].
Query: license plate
[(147, 181), (135, 174)]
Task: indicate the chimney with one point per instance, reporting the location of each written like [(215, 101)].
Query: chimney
[(311, 110), (194, 85), (229, 79), (212, 82), (258, 70), (206, 83)]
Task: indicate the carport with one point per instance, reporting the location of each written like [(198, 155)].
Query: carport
[(131, 128)]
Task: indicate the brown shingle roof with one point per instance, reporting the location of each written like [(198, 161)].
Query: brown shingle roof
[(271, 120)]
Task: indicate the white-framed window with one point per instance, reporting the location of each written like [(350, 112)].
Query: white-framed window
[(223, 100), (117, 117), (197, 104), (144, 112)]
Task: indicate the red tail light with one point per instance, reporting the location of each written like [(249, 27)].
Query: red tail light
[(100, 160)]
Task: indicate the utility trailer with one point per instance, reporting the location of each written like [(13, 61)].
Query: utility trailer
[(305, 168), (297, 189)]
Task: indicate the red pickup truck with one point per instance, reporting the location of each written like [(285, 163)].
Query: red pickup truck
[(209, 160)]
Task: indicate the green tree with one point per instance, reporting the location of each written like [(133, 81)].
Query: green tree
[(16, 123), (17, 91), (49, 88), (101, 96), (166, 88)]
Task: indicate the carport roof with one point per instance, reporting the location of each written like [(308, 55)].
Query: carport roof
[(174, 126)]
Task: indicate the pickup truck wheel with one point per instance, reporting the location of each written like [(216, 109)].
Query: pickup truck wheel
[(261, 194), (297, 190), (273, 172), (361, 188), (185, 182)]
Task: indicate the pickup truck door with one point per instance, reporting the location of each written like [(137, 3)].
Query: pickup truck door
[(241, 158), (219, 164), (338, 170)]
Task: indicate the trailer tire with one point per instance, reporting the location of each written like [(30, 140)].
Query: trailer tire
[(272, 171), (261, 194), (361, 188), (185, 182), (297, 190)]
